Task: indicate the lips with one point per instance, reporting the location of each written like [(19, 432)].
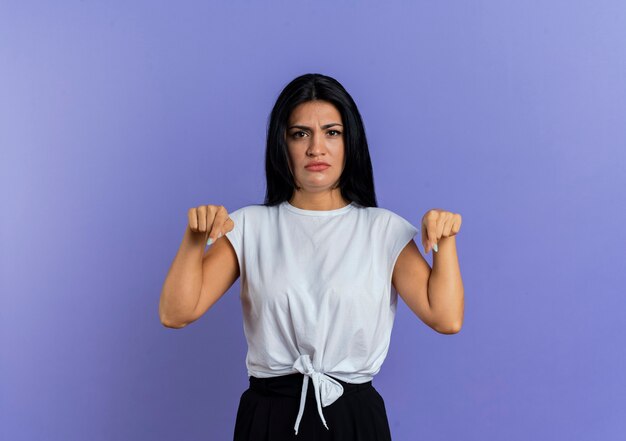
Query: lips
[(317, 164)]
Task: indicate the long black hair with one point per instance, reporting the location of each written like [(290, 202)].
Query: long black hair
[(357, 180)]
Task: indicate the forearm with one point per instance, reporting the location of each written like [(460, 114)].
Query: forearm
[(445, 287), (181, 289)]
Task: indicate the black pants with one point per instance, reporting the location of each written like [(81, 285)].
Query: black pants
[(269, 407)]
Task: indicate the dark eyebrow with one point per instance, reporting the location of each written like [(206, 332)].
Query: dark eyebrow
[(308, 128)]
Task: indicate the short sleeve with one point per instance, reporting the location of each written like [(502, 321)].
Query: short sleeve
[(399, 233), (235, 236)]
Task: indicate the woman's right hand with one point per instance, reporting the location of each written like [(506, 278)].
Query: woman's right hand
[(211, 221)]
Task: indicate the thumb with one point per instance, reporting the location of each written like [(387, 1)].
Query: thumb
[(229, 224)]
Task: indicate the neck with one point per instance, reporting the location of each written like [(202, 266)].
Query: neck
[(328, 200)]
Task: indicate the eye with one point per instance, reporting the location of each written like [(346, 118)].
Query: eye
[(336, 131), (294, 134)]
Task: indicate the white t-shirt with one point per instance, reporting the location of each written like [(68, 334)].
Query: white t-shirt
[(316, 291)]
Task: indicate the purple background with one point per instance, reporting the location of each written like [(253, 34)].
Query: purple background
[(115, 118)]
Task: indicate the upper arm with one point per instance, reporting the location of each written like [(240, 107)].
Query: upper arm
[(220, 270), (410, 279)]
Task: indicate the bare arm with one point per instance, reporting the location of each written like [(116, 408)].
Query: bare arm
[(181, 289), (434, 295), (445, 286), (410, 278), (195, 281)]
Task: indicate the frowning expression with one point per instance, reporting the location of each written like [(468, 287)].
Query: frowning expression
[(315, 134)]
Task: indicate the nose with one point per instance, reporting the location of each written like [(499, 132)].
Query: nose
[(317, 146)]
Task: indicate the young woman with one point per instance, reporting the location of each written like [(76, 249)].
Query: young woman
[(321, 267)]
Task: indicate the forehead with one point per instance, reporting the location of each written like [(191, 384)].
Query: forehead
[(317, 110)]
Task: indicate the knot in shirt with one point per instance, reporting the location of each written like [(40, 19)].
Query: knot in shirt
[(327, 389)]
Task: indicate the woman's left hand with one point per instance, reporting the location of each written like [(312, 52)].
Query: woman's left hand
[(436, 224)]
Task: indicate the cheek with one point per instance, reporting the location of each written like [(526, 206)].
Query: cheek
[(294, 162), (340, 152)]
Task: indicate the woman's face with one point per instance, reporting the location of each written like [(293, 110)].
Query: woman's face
[(315, 133)]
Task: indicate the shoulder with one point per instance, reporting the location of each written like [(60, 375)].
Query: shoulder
[(252, 209), (384, 215), (253, 212), (390, 224)]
